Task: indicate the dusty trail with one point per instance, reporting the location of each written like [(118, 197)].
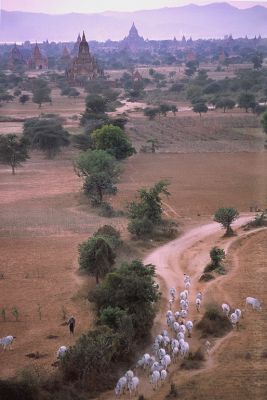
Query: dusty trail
[(188, 254)]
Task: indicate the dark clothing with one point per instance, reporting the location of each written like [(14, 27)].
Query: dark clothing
[(71, 323)]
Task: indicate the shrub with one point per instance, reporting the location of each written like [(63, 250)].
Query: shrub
[(173, 393), (194, 360), (206, 277), (106, 210), (214, 322), (13, 390), (110, 234), (89, 360)]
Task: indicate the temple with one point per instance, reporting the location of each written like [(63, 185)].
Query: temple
[(75, 49), (133, 42), (15, 58), (37, 60), (83, 65)]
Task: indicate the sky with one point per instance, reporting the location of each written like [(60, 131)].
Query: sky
[(89, 6)]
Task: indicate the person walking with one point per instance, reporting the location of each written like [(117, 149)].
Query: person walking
[(71, 323)]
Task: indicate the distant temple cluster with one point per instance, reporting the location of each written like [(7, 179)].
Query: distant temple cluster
[(79, 64)]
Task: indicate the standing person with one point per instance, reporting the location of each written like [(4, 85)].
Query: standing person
[(71, 324)]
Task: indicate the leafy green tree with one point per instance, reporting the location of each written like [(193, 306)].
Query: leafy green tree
[(113, 140), (100, 171), (246, 101), (13, 150), (41, 92), (46, 134), (24, 98), (216, 256), (96, 257), (97, 185), (226, 216), (148, 211), (225, 104), (200, 108), (131, 287), (95, 161)]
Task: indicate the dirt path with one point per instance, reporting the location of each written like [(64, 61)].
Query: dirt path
[(187, 254)]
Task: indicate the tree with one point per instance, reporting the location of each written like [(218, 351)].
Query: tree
[(46, 134), (164, 109), (96, 257), (131, 288), (13, 150), (225, 104), (226, 216), (216, 255), (264, 121), (200, 107), (154, 144), (148, 211), (113, 140), (95, 104), (257, 61), (100, 171), (41, 92), (24, 98), (151, 113), (246, 101)]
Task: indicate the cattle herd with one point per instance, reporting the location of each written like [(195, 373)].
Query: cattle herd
[(169, 345)]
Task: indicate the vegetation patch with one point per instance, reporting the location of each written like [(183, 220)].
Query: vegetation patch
[(214, 323), (194, 360)]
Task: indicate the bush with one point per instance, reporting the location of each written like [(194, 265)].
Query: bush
[(106, 210), (90, 359), (209, 268), (110, 234), (194, 360), (206, 277), (214, 322), (14, 390), (173, 393), (140, 227)]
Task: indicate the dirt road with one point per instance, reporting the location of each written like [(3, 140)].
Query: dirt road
[(188, 254)]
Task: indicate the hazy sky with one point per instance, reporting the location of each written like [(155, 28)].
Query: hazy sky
[(87, 6)]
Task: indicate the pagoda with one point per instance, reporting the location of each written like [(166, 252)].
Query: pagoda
[(15, 58), (133, 42), (75, 49), (83, 65), (37, 60)]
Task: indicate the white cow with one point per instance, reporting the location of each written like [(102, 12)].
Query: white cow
[(133, 385), (226, 309), (234, 319), (7, 341), (165, 361), (255, 303), (163, 375), (61, 351), (121, 386), (184, 349), (189, 327), (155, 379)]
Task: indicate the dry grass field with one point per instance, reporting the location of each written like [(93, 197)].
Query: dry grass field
[(214, 161)]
